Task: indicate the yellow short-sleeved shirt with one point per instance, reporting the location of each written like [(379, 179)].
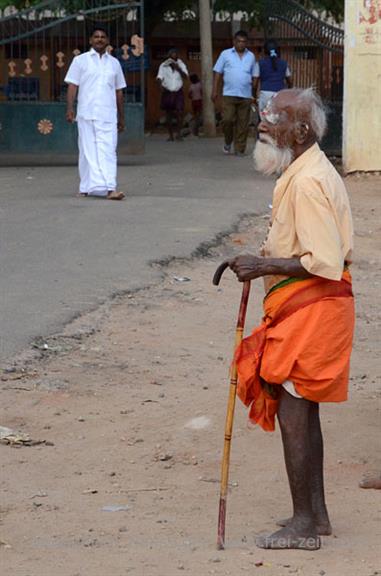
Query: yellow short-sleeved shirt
[(311, 218)]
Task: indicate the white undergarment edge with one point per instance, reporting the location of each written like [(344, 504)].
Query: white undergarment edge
[(290, 388)]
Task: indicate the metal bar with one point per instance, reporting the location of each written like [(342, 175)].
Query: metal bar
[(51, 4), (307, 35), (142, 70), (63, 20)]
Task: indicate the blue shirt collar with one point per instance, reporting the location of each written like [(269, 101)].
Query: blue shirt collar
[(234, 50)]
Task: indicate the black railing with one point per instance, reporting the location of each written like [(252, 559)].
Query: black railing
[(37, 45), (308, 25)]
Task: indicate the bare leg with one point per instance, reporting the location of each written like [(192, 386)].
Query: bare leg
[(179, 119), (169, 117), (196, 123), (294, 416), (319, 507), (317, 475)]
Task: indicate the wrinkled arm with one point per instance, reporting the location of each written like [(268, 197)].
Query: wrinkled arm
[(248, 267)]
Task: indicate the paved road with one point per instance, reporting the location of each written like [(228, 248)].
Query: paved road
[(61, 255)]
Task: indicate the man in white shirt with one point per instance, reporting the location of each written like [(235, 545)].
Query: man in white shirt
[(99, 80), (171, 75)]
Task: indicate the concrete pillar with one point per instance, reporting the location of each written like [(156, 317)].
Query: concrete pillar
[(362, 86)]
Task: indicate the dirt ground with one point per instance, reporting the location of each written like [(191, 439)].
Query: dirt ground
[(129, 405)]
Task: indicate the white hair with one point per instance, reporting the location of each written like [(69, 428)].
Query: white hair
[(310, 100)]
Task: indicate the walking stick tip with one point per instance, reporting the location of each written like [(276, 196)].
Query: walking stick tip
[(221, 524), (220, 545)]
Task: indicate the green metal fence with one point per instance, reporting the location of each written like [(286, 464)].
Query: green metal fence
[(37, 46)]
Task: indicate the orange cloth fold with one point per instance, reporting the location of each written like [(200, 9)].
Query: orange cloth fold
[(305, 337)]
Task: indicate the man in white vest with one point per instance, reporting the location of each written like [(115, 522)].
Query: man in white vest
[(171, 75), (98, 79)]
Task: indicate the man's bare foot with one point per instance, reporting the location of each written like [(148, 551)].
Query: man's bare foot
[(323, 527), (290, 538), (371, 482), (114, 195), (82, 194)]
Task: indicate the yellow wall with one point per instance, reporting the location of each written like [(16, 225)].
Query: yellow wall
[(362, 86)]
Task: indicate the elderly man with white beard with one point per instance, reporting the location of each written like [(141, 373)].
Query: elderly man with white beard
[(299, 356)]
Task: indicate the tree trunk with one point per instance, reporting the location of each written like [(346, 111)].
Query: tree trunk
[(209, 121)]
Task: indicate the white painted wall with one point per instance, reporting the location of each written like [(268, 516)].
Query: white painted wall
[(362, 86)]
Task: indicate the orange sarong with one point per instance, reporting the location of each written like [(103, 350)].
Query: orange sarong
[(306, 337)]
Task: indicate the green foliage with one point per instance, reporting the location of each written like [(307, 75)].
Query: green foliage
[(19, 4), (251, 9), (25, 4), (333, 8), (254, 9), (155, 9)]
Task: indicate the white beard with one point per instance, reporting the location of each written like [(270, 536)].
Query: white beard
[(269, 158)]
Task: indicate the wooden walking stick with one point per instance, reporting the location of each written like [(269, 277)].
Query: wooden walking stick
[(231, 405)]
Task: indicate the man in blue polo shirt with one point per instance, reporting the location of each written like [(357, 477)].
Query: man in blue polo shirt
[(236, 66)]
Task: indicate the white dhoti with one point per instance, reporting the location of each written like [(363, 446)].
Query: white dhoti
[(97, 143)]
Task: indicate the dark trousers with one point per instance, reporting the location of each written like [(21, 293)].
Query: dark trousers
[(235, 121)]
